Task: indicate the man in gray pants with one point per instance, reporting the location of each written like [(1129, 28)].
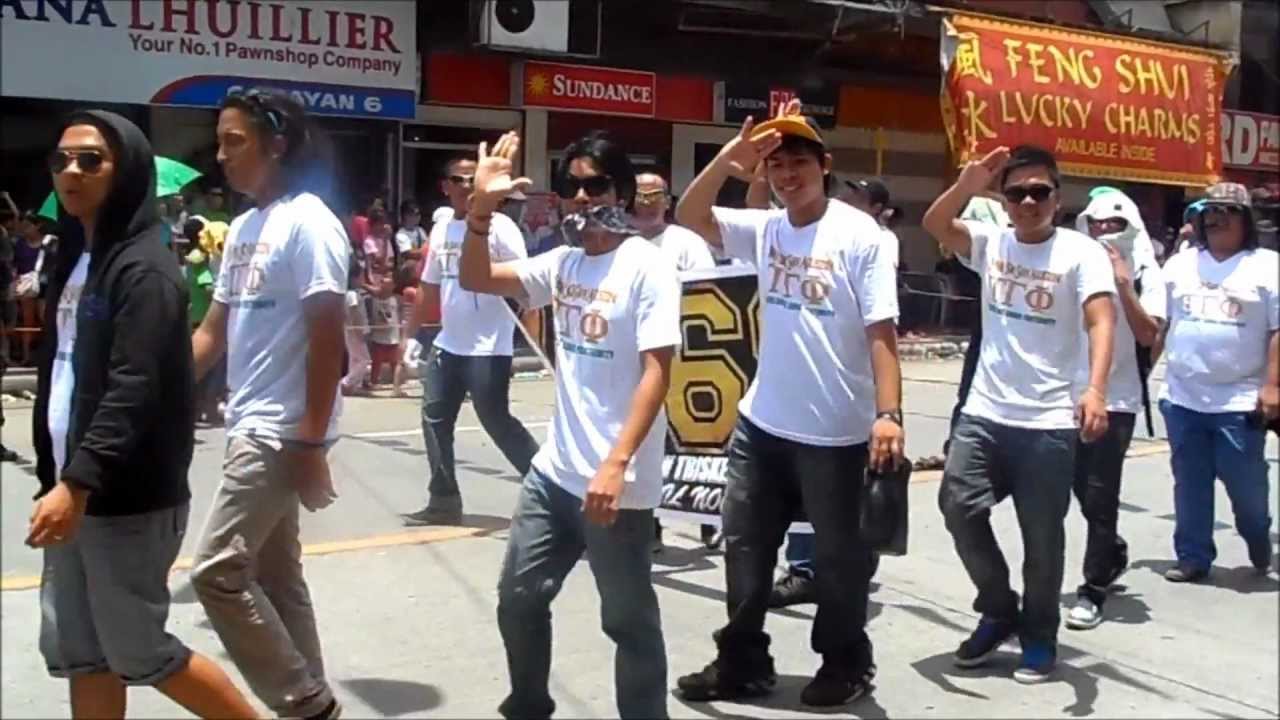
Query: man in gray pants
[(471, 355)]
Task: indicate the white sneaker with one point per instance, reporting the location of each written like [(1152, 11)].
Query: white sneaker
[(1084, 616)]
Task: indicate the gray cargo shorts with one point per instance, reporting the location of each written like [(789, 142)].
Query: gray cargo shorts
[(104, 598)]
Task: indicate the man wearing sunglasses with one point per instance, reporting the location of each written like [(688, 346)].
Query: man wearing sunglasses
[(1113, 220), (471, 354), (1222, 383), (1017, 432)]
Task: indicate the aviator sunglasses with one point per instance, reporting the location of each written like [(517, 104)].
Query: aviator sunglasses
[(596, 185), (89, 161), (1018, 193)]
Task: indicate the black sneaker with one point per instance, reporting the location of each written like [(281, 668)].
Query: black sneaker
[(433, 516), (332, 711), (7, 455), (715, 683), (712, 537), (1185, 573), (793, 589), (984, 642), (835, 685)]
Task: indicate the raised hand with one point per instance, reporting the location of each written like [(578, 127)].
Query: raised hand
[(744, 153), (978, 174), (493, 174)]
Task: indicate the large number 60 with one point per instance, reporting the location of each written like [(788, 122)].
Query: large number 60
[(716, 364)]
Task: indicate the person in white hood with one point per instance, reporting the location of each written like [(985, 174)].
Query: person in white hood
[(1113, 220)]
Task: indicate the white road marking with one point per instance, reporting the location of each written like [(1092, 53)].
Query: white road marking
[(418, 431)]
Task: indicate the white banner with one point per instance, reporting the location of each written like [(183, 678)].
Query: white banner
[(354, 58)]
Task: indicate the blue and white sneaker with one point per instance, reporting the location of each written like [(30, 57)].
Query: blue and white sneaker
[(984, 642), (1037, 663)]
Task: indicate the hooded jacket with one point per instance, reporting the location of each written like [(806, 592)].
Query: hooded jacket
[(132, 415), (1133, 242)]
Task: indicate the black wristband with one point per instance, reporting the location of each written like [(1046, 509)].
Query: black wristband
[(893, 415)]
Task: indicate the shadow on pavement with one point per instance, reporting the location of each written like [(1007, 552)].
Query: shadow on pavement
[(940, 669), (394, 697), (1243, 580), (667, 580), (786, 697)]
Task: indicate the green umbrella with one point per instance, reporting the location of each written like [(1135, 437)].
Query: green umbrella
[(171, 177)]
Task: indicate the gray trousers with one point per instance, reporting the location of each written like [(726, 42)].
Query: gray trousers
[(986, 463), (248, 576)]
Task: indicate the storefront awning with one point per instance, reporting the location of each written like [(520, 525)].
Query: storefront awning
[(1107, 106)]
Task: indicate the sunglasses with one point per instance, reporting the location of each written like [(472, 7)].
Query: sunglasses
[(467, 180), (650, 197), (1115, 223), (595, 186), (89, 161), (1223, 210), (1018, 193), (259, 100)]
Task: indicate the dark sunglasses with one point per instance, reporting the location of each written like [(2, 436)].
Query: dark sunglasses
[(596, 185), (1223, 210), (467, 180), (89, 161), (1018, 193), (1115, 223), (258, 99)]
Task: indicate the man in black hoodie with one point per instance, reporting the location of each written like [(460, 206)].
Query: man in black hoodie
[(113, 429)]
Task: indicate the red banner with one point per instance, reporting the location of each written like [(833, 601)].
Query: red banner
[(1251, 141), (1106, 106), (589, 89)]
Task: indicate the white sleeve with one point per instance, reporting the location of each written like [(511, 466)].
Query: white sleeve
[(1271, 289), (980, 235), (740, 231), (697, 252), (1095, 274), (538, 276), (507, 242), (875, 282), (431, 273), (320, 255), (221, 293), (658, 307), (1154, 298)]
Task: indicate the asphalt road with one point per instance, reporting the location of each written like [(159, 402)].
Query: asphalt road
[(407, 616)]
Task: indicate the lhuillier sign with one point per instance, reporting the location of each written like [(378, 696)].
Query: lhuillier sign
[(1107, 106)]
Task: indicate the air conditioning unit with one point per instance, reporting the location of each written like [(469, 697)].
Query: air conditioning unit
[(526, 24)]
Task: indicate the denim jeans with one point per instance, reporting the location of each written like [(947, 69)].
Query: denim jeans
[(1216, 445), (1099, 467), (548, 536), (800, 549), (987, 463), (447, 380), (769, 478)]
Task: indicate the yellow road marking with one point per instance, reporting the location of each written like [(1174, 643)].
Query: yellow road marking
[(419, 537)]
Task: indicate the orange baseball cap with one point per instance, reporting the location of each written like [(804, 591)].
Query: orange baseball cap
[(798, 125)]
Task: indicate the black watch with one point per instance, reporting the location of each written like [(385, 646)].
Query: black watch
[(893, 415)]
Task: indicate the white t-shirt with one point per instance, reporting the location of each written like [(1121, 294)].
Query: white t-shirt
[(1221, 315), (62, 380), (473, 323), (1032, 315), (892, 246), (820, 286), (274, 259), (410, 239), (608, 309), (685, 248), (1124, 385)]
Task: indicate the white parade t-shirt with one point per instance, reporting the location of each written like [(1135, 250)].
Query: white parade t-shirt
[(1221, 315), (474, 324), (62, 378), (684, 248), (1124, 385), (1033, 299), (275, 258), (892, 246), (608, 309), (821, 285)]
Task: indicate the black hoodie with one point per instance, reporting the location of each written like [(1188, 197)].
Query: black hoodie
[(131, 430)]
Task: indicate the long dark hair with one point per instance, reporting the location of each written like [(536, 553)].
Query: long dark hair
[(1200, 238), (307, 161)]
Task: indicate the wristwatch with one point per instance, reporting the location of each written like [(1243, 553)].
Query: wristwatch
[(892, 415)]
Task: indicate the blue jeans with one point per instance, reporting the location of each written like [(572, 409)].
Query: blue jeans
[(1208, 446), (800, 550), (548, 536)]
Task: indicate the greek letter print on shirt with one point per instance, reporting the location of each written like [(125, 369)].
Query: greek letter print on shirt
[(608, 309), (63, 376)]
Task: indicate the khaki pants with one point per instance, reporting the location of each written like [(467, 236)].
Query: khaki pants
[(248, 576)]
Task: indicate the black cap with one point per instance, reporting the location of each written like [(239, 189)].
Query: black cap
[(875, 189)]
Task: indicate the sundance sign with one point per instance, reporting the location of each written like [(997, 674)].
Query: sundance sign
[(588, 89)]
